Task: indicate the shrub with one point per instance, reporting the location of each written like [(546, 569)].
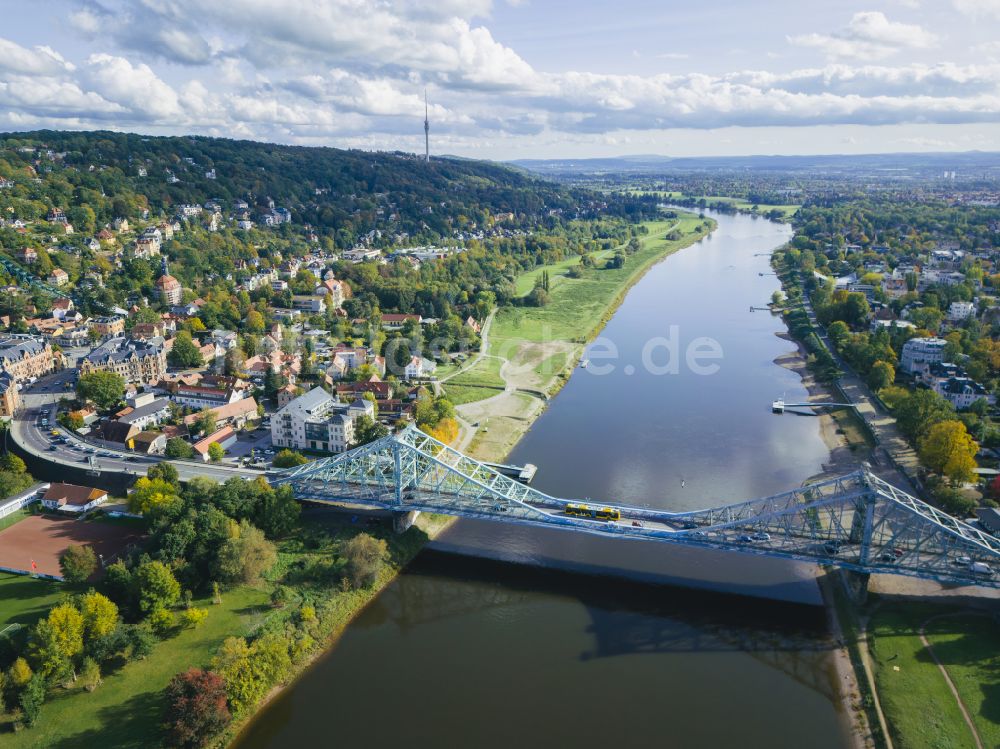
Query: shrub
[(193, 617), (162, 621), (90, 674), (365, 555)]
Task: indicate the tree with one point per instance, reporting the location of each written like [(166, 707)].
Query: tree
[(153, 496), (157, 586), (55, 640), (277, 512), (178, 448), (920, 410), (245, 557), (104, 389), (196, 708), (165, 472), (289, 459), (31, 698), (949, 449), (193, 617), (19, 673), (365, 556), (882, 375), (216, 452), (100, 615), (366, 430), (78, 563), (206, 422), (185, 353)]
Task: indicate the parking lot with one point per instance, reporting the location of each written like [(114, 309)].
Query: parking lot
[(257, 442)]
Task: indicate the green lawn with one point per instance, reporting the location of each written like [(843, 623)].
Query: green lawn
[(578, 306), (125, 711), (461, 394), (919, 707), (14, 517), (24, 599), (485, 373)]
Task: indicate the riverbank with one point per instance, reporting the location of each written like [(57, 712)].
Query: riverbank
[(534, 350)]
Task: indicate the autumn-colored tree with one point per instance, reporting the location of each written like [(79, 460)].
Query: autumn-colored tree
[(100, 615), (153, 496), (246, 556), (949, 449), (196, 708), (158, 588)]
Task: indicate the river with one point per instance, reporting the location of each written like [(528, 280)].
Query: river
[(493, 637)]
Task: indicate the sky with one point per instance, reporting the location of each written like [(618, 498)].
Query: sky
[(509, 79)]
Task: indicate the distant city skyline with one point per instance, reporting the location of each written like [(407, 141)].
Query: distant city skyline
[(510, 79)]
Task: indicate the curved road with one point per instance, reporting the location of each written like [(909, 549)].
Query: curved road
[(40, 400)]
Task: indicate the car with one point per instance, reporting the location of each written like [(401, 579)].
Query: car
[(269, 451), (746, 538), (981, 568), (961, 561), (834, 546), (761, 537), (688, 525), (129, 458), (52, 448)]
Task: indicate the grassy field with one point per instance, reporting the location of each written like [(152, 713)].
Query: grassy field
[(919, 707), (485, 373), (14, 517), (578, 306), (460, 394), (24, 599), (125, 710)]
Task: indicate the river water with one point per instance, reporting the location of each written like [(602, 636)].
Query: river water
[(493, 637)]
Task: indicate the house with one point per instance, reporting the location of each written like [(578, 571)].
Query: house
[(108, 326), (287, 394), (392, 321), (204, 396), (318, 421), (419, 368), (149, 443), (918, 353), (58, 277), (962, 392), (134, 360), (118, 432), (235, 414), (61, 308), (27, 255), (959, 311), (146, 411), (224, 437), (72, 498)]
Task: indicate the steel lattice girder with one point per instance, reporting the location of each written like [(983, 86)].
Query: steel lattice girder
[(855, 521)]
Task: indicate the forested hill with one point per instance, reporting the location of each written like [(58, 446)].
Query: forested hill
[(343, 194)]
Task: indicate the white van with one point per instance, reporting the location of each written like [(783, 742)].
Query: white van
[(981, 568)]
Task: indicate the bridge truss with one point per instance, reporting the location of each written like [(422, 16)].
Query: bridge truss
[(857, 522)]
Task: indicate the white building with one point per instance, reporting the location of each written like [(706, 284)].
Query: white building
[(962, 392), (919, 353), (317, 421), (419, 368), (959, 311)]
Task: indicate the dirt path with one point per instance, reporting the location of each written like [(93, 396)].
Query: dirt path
[(951, 685)]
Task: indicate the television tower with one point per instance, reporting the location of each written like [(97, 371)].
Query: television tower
[(427, 131)]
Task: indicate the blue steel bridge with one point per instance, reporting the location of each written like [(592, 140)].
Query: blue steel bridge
[(857, 522)]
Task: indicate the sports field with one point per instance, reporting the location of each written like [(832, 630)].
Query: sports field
[(43, 539)]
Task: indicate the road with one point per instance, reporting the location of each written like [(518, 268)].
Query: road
[(40, 400)]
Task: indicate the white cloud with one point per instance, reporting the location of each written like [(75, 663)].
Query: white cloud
[(135, 87), (869, 35), (37, 61), (979, 8)]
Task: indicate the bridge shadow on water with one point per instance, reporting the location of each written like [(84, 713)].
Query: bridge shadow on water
[(626, 617)]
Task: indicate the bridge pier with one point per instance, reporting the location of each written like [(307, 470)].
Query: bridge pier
[(401, 521), (857, 585)]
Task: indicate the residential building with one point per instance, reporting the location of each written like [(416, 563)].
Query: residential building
[(203, 396), (108, 327), (918, 353), (25, 356), (392, 321), (149, 443), (235, 414), (147, 411), (72, 498), (419, 368), (168, 288), (225, 437), (962, 392), (959, 311), (10, 397), (307, 303), (318, 421), (58, 277), (141, 361)]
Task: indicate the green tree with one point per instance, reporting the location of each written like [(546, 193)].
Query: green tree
[(365, 555), (104, 389), (882, 375), (920, 410), (157, 586), (949, 449), (206, 422), (245, 557), (216, 452), (289, 459), (178, 448), (165, 472), (31, 698), (184, 352), (78, 563), (366, 430)]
